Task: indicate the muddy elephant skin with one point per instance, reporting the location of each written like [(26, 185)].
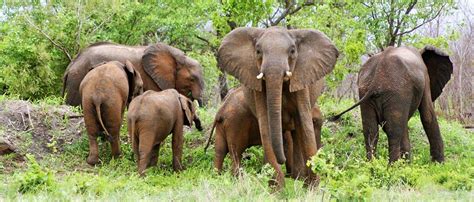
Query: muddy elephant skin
[(151, 118), (105, 91)]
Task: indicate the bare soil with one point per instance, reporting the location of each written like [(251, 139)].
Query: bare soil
[(37, 129)]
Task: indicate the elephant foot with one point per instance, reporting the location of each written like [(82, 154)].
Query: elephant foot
[(439, 159), (178, 168), (92, 160), (312, 181), (277, 182)]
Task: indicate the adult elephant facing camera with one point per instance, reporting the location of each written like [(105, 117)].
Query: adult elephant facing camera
[(160, 66), (280, 69)]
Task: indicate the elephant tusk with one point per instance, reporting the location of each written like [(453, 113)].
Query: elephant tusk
[(289, 74), (260, 76)]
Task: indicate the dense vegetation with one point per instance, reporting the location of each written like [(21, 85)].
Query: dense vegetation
[(39, 38)]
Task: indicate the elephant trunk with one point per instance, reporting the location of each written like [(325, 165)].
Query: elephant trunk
[(274, 95)]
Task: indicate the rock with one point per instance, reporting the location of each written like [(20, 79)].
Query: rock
[(5, 147)]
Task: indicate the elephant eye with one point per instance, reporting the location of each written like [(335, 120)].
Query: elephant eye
[(258, 52), (292, 51)]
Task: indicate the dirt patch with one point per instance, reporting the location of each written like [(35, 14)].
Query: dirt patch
[(38, 129)]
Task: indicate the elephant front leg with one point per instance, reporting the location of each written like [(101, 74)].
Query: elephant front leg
[(261, 110), (430, 124), (305, 134), (288, 143), (317, 124), (177, 147), (405, 147)]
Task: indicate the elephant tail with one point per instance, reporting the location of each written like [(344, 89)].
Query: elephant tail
[(133, 136), (99, 116), (337, 117), (212, 131)]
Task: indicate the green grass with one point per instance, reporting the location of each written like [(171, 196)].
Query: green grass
[(345, 174)]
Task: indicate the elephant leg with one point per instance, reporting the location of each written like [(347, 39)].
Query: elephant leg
[(115, 141), (261, 110), (288, 143), (236, 155), (370, 129), (395, 126), (154, 155), (305, 134), (405, 145), (93, 131), (220, 150), (317, 124), (177, 146), (145, 150), (430, 124)]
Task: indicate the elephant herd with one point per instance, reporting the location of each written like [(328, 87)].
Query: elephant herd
[(282, 73)]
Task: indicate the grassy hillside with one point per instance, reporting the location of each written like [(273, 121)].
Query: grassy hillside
[(62, 173)]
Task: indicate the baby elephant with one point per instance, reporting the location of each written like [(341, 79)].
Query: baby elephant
[(151, 118), (105, 92)]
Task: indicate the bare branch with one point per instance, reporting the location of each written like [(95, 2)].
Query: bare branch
[(56, 44), (289, 11), (423, 23)]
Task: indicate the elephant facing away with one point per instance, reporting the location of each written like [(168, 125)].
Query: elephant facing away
[(160, 66), (237, 129), (151, 118), (394, 84), (106, 90), (278, 69)]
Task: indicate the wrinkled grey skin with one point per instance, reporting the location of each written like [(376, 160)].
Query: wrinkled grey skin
[(394, 84), (169, 66), (261, 59)]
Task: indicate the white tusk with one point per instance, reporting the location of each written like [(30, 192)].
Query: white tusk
[(289, 74), (260, 76)]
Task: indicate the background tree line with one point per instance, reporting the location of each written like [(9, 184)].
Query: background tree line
[(38, 38)]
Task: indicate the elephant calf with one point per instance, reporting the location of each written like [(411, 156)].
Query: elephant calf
[(105, 91), (237, 129), (151, 118)]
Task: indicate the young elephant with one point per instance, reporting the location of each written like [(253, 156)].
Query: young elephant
[(105, 92), (237, 129), (151, 118)]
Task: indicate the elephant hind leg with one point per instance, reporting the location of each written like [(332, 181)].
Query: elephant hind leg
[(405, 147), (221, 150), (395, 127), (370, 129), (430, 124), (93, 130), (288, 144), (317, 124)]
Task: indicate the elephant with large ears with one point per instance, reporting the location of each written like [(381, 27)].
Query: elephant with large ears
[(161, 67), (394, 84), (279, 69)]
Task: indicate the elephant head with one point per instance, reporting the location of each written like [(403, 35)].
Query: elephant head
[(169, 68), (265, 59), (135, 82), (189, 112)]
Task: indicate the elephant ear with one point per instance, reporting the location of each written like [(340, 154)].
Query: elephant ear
[(236, 56), (160, 64), (439, 68), (130, 71), (186, 106), (317, 56)]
